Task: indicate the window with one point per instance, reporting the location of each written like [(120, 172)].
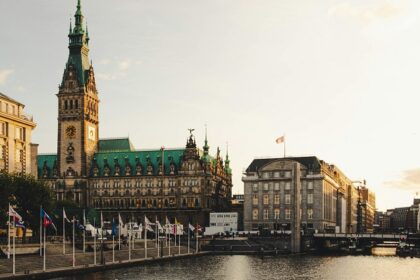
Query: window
[(276, 199), (310, 198), (265, 214), (266, 199), (310, 213), (276, 213), (255, 199), (310, 185), (20, 133), (266, 175), (266, 186), (255, 214), (287, 198), (255, 187), (287, 186), (276, 186), (3, 128), (276, 174), (288, 214), (288, 174)]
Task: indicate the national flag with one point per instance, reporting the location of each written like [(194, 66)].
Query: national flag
[(19, 223), (80, 226), (148, 224), (198, 228), (114, 228), (65, 216), (280, 140), (14, 214), (46, 220), (191, 227)]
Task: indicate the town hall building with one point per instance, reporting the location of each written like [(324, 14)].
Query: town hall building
[(110, 175)]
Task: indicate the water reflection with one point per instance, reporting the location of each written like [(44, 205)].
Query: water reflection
[(252, 267)]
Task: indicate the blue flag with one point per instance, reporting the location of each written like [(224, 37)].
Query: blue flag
[(114, 228)]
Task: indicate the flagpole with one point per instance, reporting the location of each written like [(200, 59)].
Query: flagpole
[(45, 250), (169, 239), (188, 238), (284, 145), (14, 246), (129, 241), (84, 231), (196, 238), (74, 257), (113, 249), (179, 241), (8, 233), (94, 241), (40, 231), (119, 231), (64, 234), (145, 237)]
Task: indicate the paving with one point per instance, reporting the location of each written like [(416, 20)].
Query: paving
[(56, 260)]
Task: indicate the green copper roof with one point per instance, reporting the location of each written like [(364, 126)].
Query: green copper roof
[(112, 158), (115, 145)]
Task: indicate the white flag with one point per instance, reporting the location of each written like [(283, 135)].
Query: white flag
[(65, 216), (146, 220), (102, 220), (14, 214), (120, 221), (190, 226), (159, 226)]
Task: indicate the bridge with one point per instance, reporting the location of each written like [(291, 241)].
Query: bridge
[(368, 236)]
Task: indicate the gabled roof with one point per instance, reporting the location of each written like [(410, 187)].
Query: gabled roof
[(115, 145), (311, 162), (112, 158)]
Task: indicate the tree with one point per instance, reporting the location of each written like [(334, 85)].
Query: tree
[(26, 195)]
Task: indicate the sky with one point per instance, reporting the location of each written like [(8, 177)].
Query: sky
[(340, 79)]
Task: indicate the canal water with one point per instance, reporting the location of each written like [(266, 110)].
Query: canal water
[(253, 267)]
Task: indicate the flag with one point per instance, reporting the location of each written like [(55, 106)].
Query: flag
[(280, 140), (14, 214), (199, 228), (19, 223), (65, 216), (160, 228), (148, 224), (46, 220), (114, 228), (80, 226), (120, 221), (191, 227), (167, 222)]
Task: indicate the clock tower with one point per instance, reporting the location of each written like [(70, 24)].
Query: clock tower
[(78, 113)]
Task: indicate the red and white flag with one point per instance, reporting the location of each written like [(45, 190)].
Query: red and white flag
[(14, 214), (280, 140)]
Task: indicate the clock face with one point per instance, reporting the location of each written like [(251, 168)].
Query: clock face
[(91, 133), (71, 131)]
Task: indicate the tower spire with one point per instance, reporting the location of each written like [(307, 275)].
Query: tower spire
[(78, 46)]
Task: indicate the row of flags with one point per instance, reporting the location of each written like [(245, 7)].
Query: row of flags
[(47, 222)]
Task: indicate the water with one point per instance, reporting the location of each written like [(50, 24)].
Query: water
[(253, 267)]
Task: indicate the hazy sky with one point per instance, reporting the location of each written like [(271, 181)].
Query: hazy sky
[(340, 78)]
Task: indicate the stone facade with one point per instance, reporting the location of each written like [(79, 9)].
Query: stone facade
[(16, 128), (270, 198), (109, 174)]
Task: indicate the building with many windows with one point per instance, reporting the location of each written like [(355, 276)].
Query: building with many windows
[(110, 175), (271, 202), (17, 153)]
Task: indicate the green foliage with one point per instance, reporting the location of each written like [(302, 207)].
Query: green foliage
[(26, 195)]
